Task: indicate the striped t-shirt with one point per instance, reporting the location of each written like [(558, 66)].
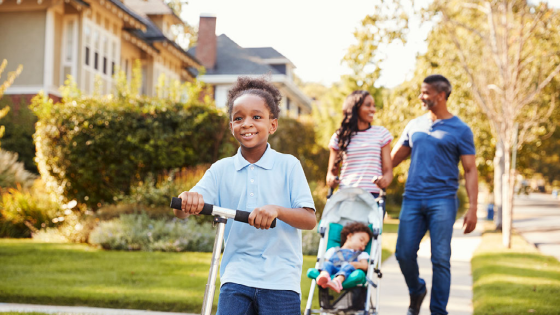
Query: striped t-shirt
[(362, 159)]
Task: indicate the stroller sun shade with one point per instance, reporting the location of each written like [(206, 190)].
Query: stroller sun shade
[(351, 205)]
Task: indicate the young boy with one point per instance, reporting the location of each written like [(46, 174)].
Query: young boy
[(260, 272), (344, 260)]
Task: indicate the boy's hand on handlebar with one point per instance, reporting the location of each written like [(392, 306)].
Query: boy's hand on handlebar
[(332, 180), (192, 202), (381, 182), (262, 217)]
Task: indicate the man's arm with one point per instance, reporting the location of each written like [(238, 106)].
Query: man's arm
[(471, 183), (400, 153)]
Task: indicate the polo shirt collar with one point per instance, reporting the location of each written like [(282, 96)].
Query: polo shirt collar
[(266, 162)]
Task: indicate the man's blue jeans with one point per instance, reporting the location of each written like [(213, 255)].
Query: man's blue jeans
[(417, 216), (237, 299)]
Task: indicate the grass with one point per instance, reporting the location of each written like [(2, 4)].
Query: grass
[(515, 281), (77, 274)]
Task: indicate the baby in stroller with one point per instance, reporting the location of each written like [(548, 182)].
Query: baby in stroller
[(342, 261)]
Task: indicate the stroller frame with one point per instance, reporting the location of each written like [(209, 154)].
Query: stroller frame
[(371, 306)]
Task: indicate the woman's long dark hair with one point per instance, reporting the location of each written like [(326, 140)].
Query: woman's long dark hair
[(349, 125)]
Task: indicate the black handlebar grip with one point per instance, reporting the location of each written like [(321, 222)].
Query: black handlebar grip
[(207, 210), (176, 204), (243, 216)]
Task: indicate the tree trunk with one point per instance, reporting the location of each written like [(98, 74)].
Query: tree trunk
[(507, 195), (498, 174)]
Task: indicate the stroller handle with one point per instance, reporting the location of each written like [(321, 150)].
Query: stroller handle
[(208, 209)]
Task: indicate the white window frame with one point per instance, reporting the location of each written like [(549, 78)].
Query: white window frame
[(73, 62), (111, 55)]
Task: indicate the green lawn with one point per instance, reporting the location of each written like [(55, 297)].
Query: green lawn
[(515, 281), (76, 274)]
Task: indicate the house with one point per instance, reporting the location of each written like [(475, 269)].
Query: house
[(224, 61), (88, 39)]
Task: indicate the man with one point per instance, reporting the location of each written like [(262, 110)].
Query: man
[(435, 142)]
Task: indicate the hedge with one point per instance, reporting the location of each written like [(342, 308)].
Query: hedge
[(93, 149)]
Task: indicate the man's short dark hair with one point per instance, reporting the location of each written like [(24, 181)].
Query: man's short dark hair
[(440, 83)]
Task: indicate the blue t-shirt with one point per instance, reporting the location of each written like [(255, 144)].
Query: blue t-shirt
[(266, 259), (436, 149)]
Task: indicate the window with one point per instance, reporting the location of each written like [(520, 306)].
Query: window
[(102, 53)]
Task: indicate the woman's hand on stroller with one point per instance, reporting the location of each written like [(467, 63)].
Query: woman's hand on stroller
[(381, 181), (192, 202), (262, 217), (332, 180)]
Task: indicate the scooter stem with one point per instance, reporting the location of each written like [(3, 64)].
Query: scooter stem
[(211, 284)]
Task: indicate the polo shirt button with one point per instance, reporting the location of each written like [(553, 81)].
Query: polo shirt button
[(252, 180), (252, 168), (252, 194)]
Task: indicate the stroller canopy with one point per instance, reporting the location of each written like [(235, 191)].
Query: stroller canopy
[(351, 205)]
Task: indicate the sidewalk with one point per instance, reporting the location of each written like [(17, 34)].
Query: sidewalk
[(76, 310), (394, 297)]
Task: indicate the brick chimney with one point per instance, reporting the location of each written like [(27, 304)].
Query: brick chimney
[(206, 46)]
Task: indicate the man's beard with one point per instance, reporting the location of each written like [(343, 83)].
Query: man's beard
[(426, 104)]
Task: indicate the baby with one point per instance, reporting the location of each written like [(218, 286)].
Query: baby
[(342, 261)]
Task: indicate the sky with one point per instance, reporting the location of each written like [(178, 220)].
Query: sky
[(313, 34)]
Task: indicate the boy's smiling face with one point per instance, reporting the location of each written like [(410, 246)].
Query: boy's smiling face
[(251, 124)]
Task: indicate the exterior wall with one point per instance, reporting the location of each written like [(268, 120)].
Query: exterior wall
[(220, 95), (22, 41), (129, 54)]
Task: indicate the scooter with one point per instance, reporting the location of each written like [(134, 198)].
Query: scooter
[(221, 215)]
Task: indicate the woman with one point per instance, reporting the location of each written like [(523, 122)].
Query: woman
[(360, 154)]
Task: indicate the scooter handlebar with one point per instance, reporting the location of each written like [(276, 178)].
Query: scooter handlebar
[(208, 209)]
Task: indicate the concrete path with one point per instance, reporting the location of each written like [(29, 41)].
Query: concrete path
[(394, 298), (76, 310), (536, 217)]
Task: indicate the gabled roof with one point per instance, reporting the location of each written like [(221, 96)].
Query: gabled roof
[(151, 7), (127, 10), (153, 34), (233, 59), (266, 52)]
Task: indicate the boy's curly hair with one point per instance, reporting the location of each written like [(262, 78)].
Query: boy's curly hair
[(352, 228), (256, 86)]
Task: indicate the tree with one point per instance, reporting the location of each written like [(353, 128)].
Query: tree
[(515, 47)]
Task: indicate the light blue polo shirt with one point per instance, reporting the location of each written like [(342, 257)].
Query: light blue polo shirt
[(266, 259), (436, 149)]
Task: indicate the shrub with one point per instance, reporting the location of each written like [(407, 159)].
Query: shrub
[(156, 192), (25, 211), (93, 149), (12, 172), (297, 137), (140, 232), (19, 124), (310, 241)]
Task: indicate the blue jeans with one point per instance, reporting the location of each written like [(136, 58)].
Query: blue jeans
[(345, 267), (417, 216), (237, 299)]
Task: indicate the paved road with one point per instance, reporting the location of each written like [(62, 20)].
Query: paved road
[(537, 218)]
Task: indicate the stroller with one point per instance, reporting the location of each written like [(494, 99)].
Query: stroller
[(357, 296)]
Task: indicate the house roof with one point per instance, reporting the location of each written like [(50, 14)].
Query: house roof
[(233, 59), (127, 10), (265, 52), (153, 33), (152, 7)]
